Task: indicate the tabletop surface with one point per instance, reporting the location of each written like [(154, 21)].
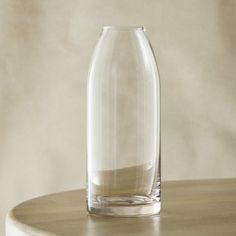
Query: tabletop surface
[(202, 207)]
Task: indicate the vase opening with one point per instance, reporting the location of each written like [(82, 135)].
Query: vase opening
[(124, 28)]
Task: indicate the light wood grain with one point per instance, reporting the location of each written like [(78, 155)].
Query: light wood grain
[(191, 208)]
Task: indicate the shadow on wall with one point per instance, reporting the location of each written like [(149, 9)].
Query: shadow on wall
[(227, 20)]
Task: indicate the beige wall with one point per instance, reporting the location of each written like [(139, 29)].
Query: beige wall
[(45, 49)]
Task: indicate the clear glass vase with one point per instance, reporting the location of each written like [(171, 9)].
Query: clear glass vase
[(123, 128)]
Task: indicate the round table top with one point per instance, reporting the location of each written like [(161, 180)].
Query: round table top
[(205, 207)]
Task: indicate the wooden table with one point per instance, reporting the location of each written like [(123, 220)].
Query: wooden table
[(205, 207)]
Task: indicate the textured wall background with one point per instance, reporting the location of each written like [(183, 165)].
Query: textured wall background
[(45, 52)]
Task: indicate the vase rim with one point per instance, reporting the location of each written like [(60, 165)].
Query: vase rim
[(123, 28)]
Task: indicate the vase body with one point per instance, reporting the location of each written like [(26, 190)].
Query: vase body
[(123, 125)]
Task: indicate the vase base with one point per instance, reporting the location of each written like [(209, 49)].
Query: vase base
[(135, 206)]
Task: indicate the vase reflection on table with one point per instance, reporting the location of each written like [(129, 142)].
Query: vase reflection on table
[(123, 125)]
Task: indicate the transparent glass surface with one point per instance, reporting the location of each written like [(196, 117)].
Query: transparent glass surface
[(123, 128)]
